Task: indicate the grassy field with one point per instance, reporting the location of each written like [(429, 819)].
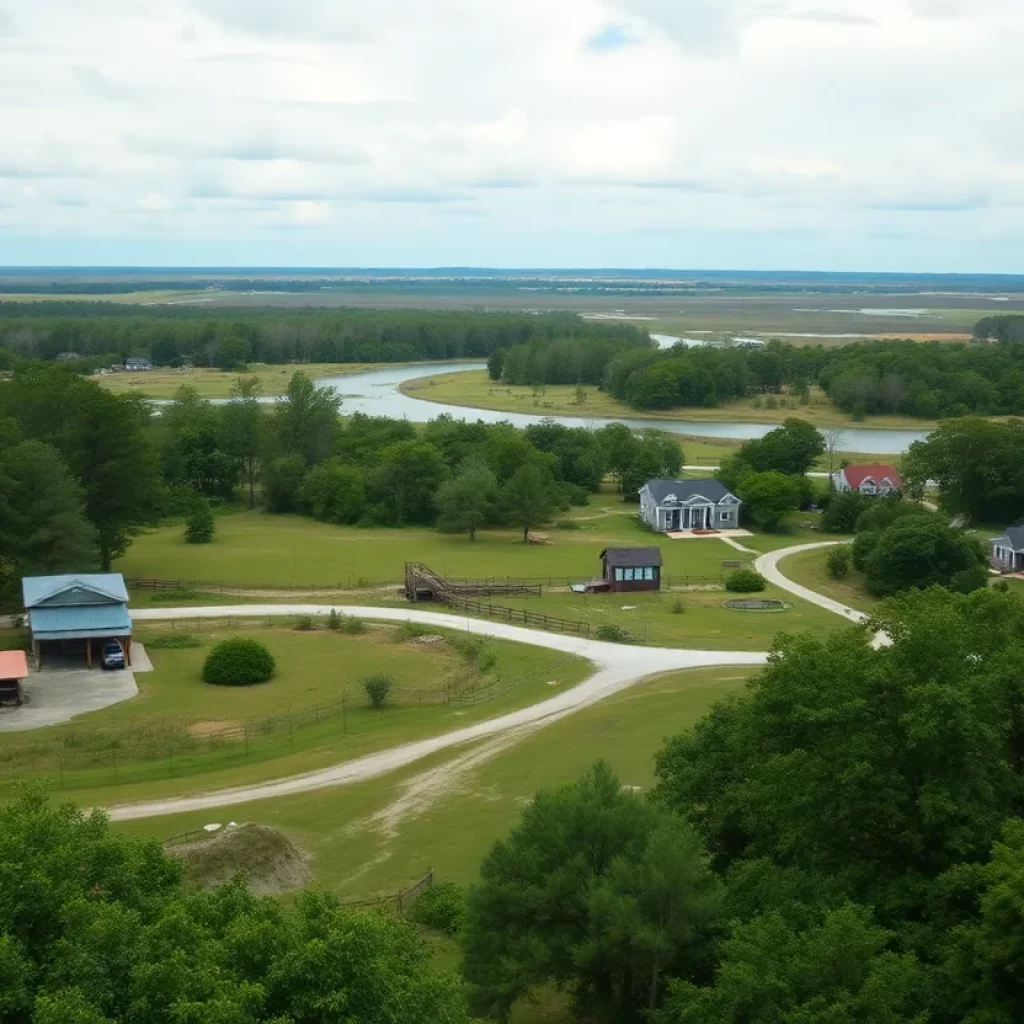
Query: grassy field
[(213, 383), (259, 550), (473, 388), (378, 835), (810, 569), (181, 734)]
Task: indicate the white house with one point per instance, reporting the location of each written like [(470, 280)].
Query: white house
[(875, 479), (1008, 549), (669, 506)]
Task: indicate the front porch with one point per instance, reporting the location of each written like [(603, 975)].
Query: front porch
[(690, 517)]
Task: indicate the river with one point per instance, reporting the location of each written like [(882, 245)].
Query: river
[(376, 394)]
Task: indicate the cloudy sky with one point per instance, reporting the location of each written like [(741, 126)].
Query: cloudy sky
[(813, 134)]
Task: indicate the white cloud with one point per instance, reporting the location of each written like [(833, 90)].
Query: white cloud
[(587, 131)]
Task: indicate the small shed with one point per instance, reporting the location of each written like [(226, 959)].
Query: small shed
[(632, 568), (13, 669), (77, 614)]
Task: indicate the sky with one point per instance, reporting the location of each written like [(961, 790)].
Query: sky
[(762, 134)]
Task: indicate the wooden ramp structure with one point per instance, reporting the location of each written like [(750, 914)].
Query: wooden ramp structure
[(423, 584)]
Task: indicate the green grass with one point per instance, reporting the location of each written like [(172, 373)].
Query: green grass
[(452, 829), (214, 383), (258, 550), (181, 734), (475, 389), (810, 569)]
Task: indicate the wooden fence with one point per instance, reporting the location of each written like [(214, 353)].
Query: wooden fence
[(402, 900), (536, 620)]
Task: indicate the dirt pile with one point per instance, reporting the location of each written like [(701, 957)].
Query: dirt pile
[(269, 859)]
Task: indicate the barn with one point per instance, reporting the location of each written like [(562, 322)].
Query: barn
[(75, 615)]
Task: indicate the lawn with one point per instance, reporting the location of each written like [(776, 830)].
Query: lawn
[(254, 549), (181, 734), (378, 835), (214, 383), (475, 389), (703, 624), (810, 569)]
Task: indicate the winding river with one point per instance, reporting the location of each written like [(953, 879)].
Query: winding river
[(376, 393)]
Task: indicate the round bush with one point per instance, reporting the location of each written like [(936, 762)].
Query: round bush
[(441, 907), (745, 581), (239, 662)]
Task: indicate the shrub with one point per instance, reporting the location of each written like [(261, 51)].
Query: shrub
[(378, 690), (172, 642), (333, 620), (839, 562), (441, 907), (678, 607), (350, 624), (240, 661), (411, 631), (200, 526), (567, 524), (745, 581), (771, 402), (616, 634), (304, 623), (475, 649)]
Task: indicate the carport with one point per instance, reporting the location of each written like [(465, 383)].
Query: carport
[(75, 615)]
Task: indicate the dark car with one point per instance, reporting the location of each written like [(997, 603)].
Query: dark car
[(113, 655)]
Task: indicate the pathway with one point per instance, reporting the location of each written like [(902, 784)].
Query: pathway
[(617, 667)]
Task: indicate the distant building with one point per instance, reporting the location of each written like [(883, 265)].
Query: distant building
[(67, 357), (1008, 549), (626, 569), (672, 506), (134, 365), (874, 479), (74, 613)]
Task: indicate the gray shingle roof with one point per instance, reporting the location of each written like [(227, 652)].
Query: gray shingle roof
[(632, 556), (713, 490), (1015, 535)]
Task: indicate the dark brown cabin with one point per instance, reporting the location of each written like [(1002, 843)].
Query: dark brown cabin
[(632, 568)]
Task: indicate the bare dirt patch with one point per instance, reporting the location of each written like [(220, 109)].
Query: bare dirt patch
[(266, 856)]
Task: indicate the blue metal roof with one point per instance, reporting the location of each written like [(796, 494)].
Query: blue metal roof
[(108, 587), (80, 622)]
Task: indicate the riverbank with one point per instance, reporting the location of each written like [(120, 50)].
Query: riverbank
[(474, 389)]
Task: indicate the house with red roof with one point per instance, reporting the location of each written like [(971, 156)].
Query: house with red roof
[(873, 479)]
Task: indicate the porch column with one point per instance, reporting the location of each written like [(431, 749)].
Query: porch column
[(88, 653)]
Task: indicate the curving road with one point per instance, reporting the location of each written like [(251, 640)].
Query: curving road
[(617, 667), (768, 567)]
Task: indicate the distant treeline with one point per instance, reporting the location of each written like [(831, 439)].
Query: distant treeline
[(1008, 329), (874, 377), (169, 336)]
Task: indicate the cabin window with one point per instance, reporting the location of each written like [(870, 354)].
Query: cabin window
[(649, 573), (629, 575), (618, 575)]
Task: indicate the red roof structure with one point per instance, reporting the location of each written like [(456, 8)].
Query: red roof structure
[(856, 475), (13, 665)]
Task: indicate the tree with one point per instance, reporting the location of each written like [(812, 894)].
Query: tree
[(407, 477), (43, 525), (839, 562), (334, 492), (528, 498), (769, 497), (835, 438), (307, 419), (468, 501), (200, 527), (101, 929), (245, 429), (282, 483), (920, 551), (843, 509), (790, 449), (107, 451), (657, 456), (532, 919), (378, 690), (772, 973), (880, 769)]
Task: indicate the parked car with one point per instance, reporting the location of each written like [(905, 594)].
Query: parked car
[(113, 654)]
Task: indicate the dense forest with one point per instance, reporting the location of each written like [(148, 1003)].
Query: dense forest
[(908, 378), (102, 333)]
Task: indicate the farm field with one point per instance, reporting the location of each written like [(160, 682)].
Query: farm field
[(446, 812), (214, 383), (474, 389), (254, 549), (181, 733)]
